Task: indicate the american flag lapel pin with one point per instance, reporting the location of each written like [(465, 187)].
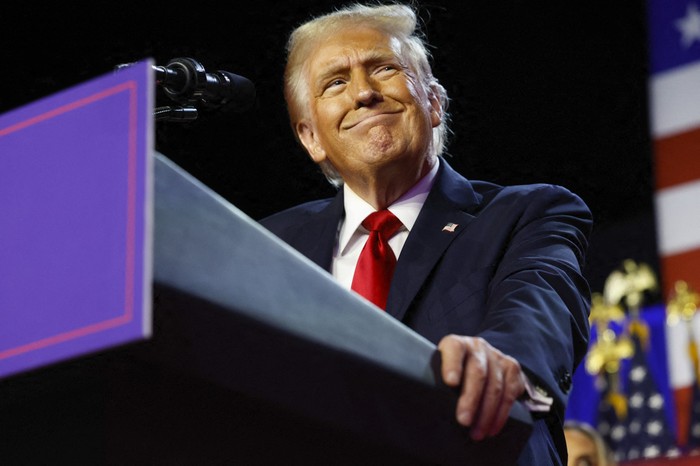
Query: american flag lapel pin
[(450, 227)]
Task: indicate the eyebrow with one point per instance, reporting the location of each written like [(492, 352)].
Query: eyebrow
[(339, 65)]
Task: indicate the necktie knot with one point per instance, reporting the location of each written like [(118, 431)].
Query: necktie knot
[(383, 222)]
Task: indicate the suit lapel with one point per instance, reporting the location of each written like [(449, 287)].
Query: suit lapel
[(317, 236), (445, 215), (443, 218)]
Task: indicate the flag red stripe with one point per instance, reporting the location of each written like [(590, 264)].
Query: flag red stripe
[(683, 266), (683, 399), (677, 159)]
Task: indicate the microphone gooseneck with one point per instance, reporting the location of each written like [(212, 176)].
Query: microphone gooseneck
[(186, 81)]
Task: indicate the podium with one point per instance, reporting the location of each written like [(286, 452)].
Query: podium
[(256, 357)]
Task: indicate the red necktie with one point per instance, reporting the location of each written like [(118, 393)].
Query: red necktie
[(377, 261)]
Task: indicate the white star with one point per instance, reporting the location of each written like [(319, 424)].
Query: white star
[(638, 373), (689, 25), (637, 400), (618, 433), (652, 451), (654, 428), (656, 401)]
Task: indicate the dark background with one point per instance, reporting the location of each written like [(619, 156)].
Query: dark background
[(554, 92)]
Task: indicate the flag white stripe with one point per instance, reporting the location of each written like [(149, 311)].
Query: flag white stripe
[(675, 100), (678, 218), (680, 368)]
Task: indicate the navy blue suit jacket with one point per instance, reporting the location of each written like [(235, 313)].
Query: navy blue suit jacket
[(510, 272)]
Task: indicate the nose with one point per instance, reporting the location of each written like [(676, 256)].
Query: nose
[(365, 90)]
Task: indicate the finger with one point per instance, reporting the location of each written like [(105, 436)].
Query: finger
[(475, 375), (514, 386), (492, 394), (452, 349)]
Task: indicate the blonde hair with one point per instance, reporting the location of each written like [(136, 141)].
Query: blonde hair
[(397, 20), (605, 454)]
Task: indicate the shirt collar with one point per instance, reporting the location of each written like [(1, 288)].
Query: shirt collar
[(406, 208)]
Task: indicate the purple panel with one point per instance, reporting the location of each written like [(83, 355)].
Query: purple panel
[(75, 213)]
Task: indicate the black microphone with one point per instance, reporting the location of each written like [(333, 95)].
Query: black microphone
[(187, 82)]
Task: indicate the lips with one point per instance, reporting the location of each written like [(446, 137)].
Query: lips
[(370, 118)]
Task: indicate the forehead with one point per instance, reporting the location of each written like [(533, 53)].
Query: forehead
[(579, 442), (353, 44)]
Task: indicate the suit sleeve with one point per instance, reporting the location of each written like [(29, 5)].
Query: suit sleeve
[(539, 301)]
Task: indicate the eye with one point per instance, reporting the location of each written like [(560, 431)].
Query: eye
[(333, 87), (386, 70)]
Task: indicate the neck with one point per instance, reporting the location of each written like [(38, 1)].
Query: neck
[(381, 188)]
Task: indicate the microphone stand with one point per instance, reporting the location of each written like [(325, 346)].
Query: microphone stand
[(180, 114), (177, 114)]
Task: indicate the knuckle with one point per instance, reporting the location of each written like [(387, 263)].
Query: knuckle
[(480, 343), (449, 341), (496, 392), (479, 372)]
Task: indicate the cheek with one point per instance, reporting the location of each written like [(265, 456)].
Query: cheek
[(408, 92), (421, 102), (329, 113)]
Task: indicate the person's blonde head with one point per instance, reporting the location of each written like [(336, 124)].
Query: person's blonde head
[(578, 434), (397, 20)]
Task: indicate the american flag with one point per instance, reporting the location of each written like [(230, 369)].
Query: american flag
[(674, 96), (643, 431)]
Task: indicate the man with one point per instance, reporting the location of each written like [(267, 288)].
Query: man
[(491, 274)]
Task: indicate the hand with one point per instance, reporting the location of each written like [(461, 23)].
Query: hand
[(491, 382)]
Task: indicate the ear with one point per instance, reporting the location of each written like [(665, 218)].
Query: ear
[(436, 107), (308, 139)]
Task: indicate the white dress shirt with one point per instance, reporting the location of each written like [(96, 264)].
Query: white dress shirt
[(352, 235)]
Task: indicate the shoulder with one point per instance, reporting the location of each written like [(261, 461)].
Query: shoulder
[(533, 209), (477, 195), (509, 207), (532, 198), (492, 191), (295, 216)]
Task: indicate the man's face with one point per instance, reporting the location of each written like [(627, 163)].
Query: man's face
[(367, 109)]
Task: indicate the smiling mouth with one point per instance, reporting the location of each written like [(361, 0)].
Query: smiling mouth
[(375, 118)]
